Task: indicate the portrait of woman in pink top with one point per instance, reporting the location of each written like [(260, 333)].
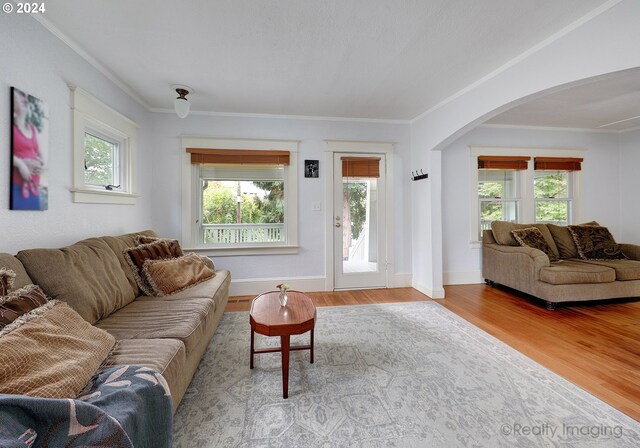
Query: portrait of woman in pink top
[(28, 144)]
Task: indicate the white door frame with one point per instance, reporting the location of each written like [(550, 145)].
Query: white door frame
[(386, 148)]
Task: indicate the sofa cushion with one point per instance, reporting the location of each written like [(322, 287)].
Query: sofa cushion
[(166, 356), (87, 275), (175, 274), (176, 319), (564, 240), (137, 255), (570, 272), (19, 302), (216, 288), (174, 245), (119, 244), (21, 279), (532, 237), (596, 243), (7, 277), (51, 352), (502, 233), (624, 269)]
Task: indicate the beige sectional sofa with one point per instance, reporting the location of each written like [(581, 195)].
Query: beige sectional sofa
[(169, 333), (572, 279)]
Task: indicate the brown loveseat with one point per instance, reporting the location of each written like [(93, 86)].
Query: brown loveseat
[(572, 279), (168, 334)]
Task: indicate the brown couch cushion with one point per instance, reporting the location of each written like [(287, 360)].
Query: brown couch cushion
[(502, 233), (216, 288), (595, 243), (166, 356), (532, 237), (564, 241), (7, 277), (174, 245), (176, 319), (137, 255), (624, 269), (119, 244), (8, 261), (20, 302), (53, 354), (86, 275), (576, 272), (175, 274)]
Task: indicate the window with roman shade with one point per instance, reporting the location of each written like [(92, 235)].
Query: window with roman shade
[(503, 162), (558, 163), (553, 188), (360, 166)]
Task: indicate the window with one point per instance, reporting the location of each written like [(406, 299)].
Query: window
[(104, 152), (240, 201), (510, 188)]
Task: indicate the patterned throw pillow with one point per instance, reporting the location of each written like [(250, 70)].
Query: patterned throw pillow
[(174, 245), (51, 352), (596, 243), (533, 237), (6, 280), (20, 302), (173, 275), (136, 256)]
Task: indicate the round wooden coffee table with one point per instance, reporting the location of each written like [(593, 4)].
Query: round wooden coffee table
[(268, 318)]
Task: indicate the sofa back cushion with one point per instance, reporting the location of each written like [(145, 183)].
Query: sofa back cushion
[(502, 233), (119, 244), (564, 240), (21, 279), (87, 275), (532, 237), (596, 243)]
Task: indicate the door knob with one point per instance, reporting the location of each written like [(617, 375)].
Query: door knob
[(338, 224)]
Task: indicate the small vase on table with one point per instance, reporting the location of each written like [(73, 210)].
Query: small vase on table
[(282, 295)]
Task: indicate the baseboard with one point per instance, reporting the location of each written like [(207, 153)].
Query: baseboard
[(432, 293), (255, 286), (462, 278)]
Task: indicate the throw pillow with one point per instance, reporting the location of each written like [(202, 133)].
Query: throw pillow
[(533, 237), (51, 352), (564, 240), (174, 245), (596, 243), (136, 256), (171, 276), (20, 302), (7, 276)]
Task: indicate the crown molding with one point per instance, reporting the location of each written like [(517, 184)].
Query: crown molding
[(547, 128)]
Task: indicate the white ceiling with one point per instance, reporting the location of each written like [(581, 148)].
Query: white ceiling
[(611, 103), (381, 59)]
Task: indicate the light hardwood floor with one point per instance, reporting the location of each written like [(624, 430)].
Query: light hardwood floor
[(596, 347)]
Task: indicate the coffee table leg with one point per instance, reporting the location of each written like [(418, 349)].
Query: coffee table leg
[(252, 349), (284, 343), (311, 346)]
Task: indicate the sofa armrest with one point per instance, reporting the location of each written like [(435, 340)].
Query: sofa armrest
[(632, 251), (513, 266)]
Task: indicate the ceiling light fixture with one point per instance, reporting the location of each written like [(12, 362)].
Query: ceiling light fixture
[(181, 104)]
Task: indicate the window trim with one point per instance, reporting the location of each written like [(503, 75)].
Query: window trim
[(527, 200), (191, 175), (90, 114)]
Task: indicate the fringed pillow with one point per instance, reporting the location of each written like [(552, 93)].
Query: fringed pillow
[(170, 276), (51, 352), (533, 237), (7, 276), (136, 256), (596, 243), (20, 302), (174, 245)]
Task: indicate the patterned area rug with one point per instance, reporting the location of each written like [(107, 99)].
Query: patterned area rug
[(393, 375)]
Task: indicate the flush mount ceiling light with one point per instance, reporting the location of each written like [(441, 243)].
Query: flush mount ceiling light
[(181, 104)]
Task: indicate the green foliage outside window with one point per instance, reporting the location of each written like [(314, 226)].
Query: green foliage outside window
[(356, 193), (552, 185), (98, 160), (220, 204)]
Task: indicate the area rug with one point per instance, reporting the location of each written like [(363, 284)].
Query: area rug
[(392, 375)]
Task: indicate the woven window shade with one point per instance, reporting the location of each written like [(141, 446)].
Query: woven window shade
[(503, 162), (558, 163), (238, 156), (360, 166)]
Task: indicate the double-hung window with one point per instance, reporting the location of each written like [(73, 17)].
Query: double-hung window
[(553, 189), (241, 201)]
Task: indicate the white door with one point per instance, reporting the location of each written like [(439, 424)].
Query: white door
[(359, 216)]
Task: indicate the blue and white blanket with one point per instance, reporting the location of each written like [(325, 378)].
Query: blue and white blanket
[(125, 406)]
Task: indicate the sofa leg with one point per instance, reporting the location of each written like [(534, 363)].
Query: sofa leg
[(550, 305), (490, 282)]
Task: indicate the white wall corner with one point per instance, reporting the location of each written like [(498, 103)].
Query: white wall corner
[(437, 293), (401, 280), (463, 278)]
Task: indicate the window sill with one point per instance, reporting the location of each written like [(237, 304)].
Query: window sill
[(247, 250), (103, 197)]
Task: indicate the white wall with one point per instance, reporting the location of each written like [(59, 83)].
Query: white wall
[(38, 63), (600, 180), (630, 187), (310, 262)]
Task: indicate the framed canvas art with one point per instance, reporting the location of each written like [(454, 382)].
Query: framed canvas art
[(311, 168), (29, 151)]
